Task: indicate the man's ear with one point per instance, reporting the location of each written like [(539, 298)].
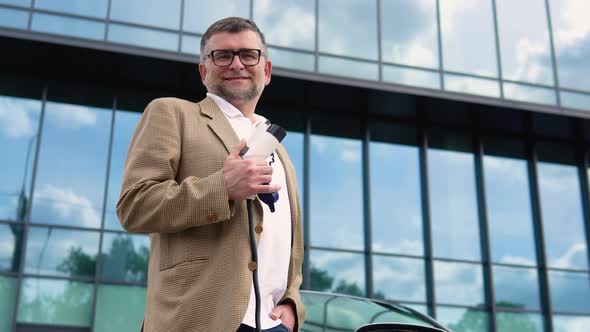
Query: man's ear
[(267, 72), (202, 72)]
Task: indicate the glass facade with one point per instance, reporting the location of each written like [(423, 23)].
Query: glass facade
[(484, 231), (476, 47)]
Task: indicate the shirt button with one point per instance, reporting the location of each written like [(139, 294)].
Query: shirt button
[(212, 218), (258, 229), (252, 266)]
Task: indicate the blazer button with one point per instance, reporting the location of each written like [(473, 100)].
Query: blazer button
[(252, 266), (258, 229), (212, 218)]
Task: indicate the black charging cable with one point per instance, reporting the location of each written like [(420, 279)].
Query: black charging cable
[(254, 251)]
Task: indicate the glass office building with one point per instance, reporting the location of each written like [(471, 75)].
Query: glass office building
[(442, 150)]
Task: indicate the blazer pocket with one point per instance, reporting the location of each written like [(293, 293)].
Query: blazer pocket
[(188, 246)]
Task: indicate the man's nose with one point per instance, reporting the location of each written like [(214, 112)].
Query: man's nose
[(236, 63)]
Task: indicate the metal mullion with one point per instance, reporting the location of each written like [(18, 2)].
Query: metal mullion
[(484, 231), (426, 220), (440, 48), (538, 229), (379, 46), (553, 56), (316, 64), (98, 263), (74, 228), (54, 277), (28, 212), (30, 22), (584, 188), (180, 28), (342, 250), (107, 21), (498, 56), (306, 199), (367, 210)]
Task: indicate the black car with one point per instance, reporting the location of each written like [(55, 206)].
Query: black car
[(328, 312)]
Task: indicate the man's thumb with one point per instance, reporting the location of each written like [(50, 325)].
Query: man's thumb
[(274, 314), (235, 153)]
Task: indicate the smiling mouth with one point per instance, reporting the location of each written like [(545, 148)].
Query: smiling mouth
[(236, 78)]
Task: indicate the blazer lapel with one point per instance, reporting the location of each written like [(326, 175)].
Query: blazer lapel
[(219, 123)]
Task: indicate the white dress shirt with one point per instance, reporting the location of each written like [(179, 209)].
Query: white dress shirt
[(274, 245)]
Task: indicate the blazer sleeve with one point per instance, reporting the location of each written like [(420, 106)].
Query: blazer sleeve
[(151, 200)]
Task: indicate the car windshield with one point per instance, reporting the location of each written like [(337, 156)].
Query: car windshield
[(333, 312)]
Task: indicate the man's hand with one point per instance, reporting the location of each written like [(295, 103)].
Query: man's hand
[(286, 312), (244, 178)]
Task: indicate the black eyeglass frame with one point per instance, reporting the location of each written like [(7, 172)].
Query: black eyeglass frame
[(234, 53)]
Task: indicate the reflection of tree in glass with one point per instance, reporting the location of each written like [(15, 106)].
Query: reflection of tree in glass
[(123, 262), (75, 300), (476, 320), (323, 282), (77, 263)]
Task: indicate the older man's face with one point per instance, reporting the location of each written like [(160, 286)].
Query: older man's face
[(236, 83)]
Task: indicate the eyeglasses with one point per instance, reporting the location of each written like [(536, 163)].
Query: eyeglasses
[(223, 58)]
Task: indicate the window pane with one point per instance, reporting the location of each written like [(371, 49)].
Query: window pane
[(463, 320), (292, 60), (399, 279), (517, 322), (12, 18), (570, 323), (561, 209), (409, 32), (293, 143), (61, 252), (337, 34), (125, 257), (159, 13), (119, 308), (468, 40), (191, 45), (69, 188), (529, 94), (516, 288), (24, 3), (414, 77), (143, 37), (199, 14), (396, 210), (96, 8), (525, 49), (510, 221), (472, 85), (570, 291), (125, 123), (68, 26), (458, 283), (288, 23), (19, 121), (348, 68), (11, 237), (571, 34), (575, 100), (336, 193), (338, 272), (46, 301), (7, 302), (455, 228)]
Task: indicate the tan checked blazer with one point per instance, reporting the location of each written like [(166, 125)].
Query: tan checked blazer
[(199, 276)]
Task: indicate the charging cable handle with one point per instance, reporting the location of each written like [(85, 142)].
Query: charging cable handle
[(264, 141)]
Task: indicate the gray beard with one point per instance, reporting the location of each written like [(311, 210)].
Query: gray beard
[(238, 94)]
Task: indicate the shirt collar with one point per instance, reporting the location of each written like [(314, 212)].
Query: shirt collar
[(230, 110)]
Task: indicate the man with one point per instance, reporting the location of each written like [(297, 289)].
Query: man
[(185, 184)]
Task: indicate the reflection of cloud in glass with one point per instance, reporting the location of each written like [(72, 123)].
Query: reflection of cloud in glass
[(341, 266), (570, 291), (516, 287), (286, 23), (572, 257), (15, 121), (399, 278), (69, 204), (458, 283), (72, 116), (570, 323)]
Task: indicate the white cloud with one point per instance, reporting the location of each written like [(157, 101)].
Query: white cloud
[(72, 116), (517, 260), (572, 23), (555, 181), (15, 122), (68, 204), (414, 54), (528, 54), (351, 155), (506, 168), (573, 254)]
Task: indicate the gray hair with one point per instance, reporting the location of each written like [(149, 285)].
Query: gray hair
[(231, 25)]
